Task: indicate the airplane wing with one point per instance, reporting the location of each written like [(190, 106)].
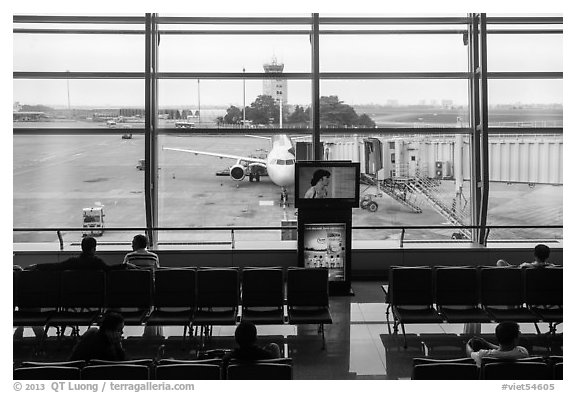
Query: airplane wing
[(231, 156), (258, 136)]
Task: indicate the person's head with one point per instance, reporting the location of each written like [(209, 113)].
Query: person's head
[(541, 252), (507, 333), (320, 175), (112, 326), (139, 242), (245, 334), (89, 245)]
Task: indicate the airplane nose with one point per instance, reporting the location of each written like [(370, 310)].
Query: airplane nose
[(283, 176)]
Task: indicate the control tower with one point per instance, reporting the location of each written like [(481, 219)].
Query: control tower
[(277, 88)]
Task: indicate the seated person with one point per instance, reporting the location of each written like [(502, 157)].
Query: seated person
[(140, 256), (507, 334), (247, 350), (541, 254), (104, 343), (87, 260)]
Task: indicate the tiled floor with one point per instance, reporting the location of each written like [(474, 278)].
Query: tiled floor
[(359, 344)]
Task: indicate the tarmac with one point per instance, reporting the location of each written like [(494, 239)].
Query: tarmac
[(56, 176)]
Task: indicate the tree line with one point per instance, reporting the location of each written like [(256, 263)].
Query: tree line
[(265, 110)]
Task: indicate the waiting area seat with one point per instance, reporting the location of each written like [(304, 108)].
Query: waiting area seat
[(263, 296), (444, 369), (82, 299), (474, 295), (217, 298), (457, 295), (47, 373), (187, 297), (502, 294), (307, 297), (411, 297), (174, 298), (531, 368), (116, 371), (36, 297), (517, 371), (162, 369), (259, 371), (543, 291), (129, 292)]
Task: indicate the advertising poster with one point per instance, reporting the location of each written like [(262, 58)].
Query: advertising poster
[(325, 246)]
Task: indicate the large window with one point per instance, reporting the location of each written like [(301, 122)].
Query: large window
[(394, 93)]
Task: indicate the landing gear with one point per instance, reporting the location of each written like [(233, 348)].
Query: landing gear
[(284, 197)]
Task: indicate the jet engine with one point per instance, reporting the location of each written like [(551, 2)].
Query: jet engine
[(237, 172)]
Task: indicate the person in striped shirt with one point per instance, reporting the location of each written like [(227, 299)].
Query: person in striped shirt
[(141, 257)]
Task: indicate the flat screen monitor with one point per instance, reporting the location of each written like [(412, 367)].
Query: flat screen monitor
[(330, 184)]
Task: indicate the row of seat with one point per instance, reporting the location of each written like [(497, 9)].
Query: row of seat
[(533, 368), (172, 297), (166, 369), (474, 295)]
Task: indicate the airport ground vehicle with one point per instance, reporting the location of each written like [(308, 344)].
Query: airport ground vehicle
[(141, 164), (184, 124), (367, 203), (93, 221), (127, 135)]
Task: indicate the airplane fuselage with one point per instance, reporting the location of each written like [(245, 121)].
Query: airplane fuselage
[(281, 160)]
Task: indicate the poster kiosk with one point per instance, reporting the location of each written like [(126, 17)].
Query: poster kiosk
[(325, 218)]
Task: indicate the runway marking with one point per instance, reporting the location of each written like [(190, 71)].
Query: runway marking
[(266, 203)]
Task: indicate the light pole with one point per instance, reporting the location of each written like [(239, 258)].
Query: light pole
[(68, 92), (280, 112), (198, 102), (243, 98)]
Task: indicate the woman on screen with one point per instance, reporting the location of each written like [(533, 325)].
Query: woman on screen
[(320, 181)]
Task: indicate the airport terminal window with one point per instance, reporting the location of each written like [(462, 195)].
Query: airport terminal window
[(200, 190), (231, 53), (395, 103), (104, 104), (433, 189), (209, 72), (394, 53), (526, 186), (525, 52), (57, 176), (510, 108), (78, 52)]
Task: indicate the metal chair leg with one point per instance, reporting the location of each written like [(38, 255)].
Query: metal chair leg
[(184, 336), (537, 328), (404, 334), (388, 318)]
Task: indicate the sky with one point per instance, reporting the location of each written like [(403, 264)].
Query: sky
[(223, 53)]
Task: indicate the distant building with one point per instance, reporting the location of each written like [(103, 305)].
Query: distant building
[(277, 88), (447, 103), (28, 116)]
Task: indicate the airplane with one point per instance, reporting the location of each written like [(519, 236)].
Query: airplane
[(279, 163)]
